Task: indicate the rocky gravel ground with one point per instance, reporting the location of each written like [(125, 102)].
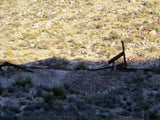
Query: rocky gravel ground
[(84, 95), (90, 30)]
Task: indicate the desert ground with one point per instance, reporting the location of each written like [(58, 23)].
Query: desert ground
[(86, 30)]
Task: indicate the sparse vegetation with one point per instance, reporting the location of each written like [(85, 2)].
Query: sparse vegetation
[(113, 35), (153, 115), (146, 106), (81, 66), (59, 93), (5, 93), (48, 97), (47, 28), (156, 69), (22, 81), (153, 49), (146, 21)]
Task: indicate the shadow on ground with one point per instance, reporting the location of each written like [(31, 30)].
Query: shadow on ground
[(54, 72), (64, 64), (114, 94)]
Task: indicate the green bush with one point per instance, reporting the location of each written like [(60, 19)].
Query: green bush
[(66, 86), (48, 97), (153, 49), (146, 21), (157, 29), (156, 69), (146, 107), (22, 81), (28, 81), (81, 66), (17, 81), (153, 115), (5, 93), (59, 92)]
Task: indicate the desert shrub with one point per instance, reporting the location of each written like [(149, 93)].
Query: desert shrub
[(28, 81), (145, 21), (19, 81), (99, 26), (156, 69), (5, 93), (157, 29), (146, 106), (151, 4), (66, 86), (59, 92), (81, 66), (153, 115), (9, 52), (153, 49), (113, 35), (129, 40), (22, 81), (48, 97)]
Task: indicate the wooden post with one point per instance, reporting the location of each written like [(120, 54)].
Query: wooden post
[(118, 56), (114, 67), (124, 56)]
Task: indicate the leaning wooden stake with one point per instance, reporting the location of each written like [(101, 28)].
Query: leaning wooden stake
[(118, 56)]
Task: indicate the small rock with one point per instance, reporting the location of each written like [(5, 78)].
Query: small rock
[(124, 113), (153, 32), (32, 45), (23, 107), (104, 38), (131, 1), (140, 28), (71, 98), (31, 107), (71, 107)]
